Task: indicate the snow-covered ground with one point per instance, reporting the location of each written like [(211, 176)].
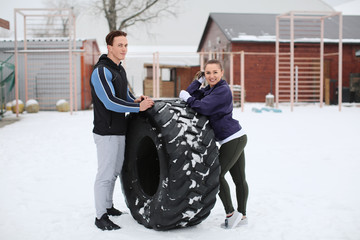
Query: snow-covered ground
[(303, 170)]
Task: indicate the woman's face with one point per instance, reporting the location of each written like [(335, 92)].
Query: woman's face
[(213, 74)]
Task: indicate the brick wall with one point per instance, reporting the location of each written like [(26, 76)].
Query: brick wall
[(260, 69)]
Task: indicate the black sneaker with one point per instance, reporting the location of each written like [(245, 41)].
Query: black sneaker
[(104, 223), (113, 211)]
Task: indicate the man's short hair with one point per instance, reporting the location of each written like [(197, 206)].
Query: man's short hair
[(116, 33)]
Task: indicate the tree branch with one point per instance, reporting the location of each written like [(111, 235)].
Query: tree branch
[(147, 6), (133, 11)]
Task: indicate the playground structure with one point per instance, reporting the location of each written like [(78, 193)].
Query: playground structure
[(46, 23), (8, 69), (6, 83), (300, 74), (51, 64)]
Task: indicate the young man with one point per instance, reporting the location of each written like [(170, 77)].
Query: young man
[(111, 100)]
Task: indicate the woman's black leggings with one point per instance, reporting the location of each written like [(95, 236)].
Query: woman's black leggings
[(232, 158)]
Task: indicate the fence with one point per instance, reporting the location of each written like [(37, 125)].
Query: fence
[(39, 83)]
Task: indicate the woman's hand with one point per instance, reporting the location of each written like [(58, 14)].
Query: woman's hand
[(184, 95), (198, 75)]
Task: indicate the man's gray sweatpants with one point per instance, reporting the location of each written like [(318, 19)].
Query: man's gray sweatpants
[(110, 155)]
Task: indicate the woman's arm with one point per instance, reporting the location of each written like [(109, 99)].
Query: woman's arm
[(212, 103)]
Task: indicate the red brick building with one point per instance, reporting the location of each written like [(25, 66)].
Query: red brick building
[(255, 34)]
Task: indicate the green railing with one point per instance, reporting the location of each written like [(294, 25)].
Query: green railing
[(10, 79)]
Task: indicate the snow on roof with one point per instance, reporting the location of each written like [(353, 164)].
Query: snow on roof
[(349, 8), (48, 39), (170, 55), (268, 38), (149, 50), (261, 27)]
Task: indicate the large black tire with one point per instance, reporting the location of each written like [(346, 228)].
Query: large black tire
[(171, 171)]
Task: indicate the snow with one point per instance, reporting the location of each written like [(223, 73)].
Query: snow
[(302, 169), (61, 101), (31, 102), (270, 38), (13, 103)]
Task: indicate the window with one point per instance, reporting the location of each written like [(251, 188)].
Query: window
[(165, 74), (149, 72), (357, 53)]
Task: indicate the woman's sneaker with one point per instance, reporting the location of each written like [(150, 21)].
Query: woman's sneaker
[(233, 221), (243, 221)]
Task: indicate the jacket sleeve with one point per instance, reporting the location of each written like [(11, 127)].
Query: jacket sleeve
[(194, 90), (104, 89), (213, 103), (130, 96)]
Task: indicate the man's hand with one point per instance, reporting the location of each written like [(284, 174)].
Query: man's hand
[(146, 104), (139, 99)]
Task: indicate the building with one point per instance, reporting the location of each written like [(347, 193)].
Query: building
[(173, 78), (176, 65), (255, 34)]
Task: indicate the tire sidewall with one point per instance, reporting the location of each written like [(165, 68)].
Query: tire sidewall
[(136, 199)]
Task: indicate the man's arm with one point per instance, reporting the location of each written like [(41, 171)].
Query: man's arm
[(130, 96), (104, 89)]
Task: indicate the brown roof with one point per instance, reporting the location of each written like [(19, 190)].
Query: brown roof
[(236, 26)]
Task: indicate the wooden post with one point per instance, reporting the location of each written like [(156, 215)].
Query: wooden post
[(292, 60), (232, 73), (277, 50), (154, 75), (242, 80), (340, 60), (157, 75), (322, 63), (16, 68)]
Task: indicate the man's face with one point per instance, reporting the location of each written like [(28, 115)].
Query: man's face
[(119, 48)]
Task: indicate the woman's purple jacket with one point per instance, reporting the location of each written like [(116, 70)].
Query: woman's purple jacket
[(216, 104)]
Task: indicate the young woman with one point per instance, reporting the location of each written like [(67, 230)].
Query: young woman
[(215, 101)]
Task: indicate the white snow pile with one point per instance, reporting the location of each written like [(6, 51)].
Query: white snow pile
[(303, 170), (31, 102)]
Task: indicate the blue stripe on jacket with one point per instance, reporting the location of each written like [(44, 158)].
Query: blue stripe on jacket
[(130, 97), (104, 89)]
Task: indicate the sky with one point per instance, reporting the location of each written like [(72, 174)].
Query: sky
[(192, 16), (302, 168)]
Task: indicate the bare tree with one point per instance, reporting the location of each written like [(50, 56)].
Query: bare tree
[(121, 14), (58, 24)]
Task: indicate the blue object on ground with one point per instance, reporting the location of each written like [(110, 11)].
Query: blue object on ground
[(258, 110)]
